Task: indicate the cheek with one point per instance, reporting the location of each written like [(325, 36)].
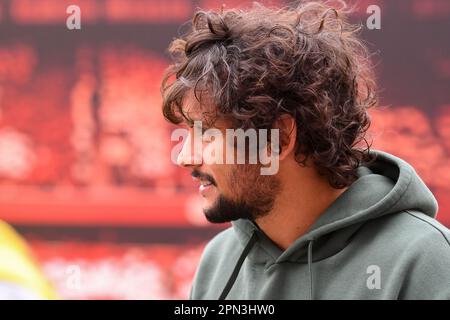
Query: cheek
[(244, 179), (222, 175)]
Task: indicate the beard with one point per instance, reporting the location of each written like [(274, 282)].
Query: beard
[(253, 196)]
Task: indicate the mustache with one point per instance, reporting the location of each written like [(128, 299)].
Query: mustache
[(204, 176)]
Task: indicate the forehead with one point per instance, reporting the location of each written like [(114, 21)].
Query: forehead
[(191, 107), (203, 110)]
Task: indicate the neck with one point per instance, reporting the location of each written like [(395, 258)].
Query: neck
[(304, 197)]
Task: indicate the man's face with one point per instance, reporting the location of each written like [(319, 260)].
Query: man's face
[(229, 191)]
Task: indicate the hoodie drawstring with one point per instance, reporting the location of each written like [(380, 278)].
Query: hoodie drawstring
[(244, 255), (311, 287), (238, 266)]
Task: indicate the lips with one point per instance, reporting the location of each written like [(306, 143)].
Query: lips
[(204, 187), (205, 179), (207, 182)]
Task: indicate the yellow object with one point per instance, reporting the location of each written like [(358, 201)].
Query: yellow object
[(20, 276)]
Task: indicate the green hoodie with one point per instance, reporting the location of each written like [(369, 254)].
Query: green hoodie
[(378, 240)]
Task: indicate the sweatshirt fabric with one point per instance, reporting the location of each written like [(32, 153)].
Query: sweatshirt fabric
[(378, 240)]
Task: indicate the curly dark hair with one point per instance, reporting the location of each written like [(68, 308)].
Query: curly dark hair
[(257, 64)]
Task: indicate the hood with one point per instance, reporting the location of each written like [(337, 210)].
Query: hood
[(387, 185)]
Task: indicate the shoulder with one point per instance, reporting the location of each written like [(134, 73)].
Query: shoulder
[(415, 250), (430, 227), (409, 240), (410, 229)]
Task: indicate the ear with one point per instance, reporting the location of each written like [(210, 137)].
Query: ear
[(288, 135)]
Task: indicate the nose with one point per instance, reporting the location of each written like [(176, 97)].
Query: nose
[(190, 154)]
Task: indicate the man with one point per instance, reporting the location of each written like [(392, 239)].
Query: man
[(336, 220)]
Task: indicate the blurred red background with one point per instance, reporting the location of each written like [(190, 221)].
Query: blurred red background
[(85, 170)]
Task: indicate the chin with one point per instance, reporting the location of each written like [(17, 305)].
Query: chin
[(208, 206), (209, 201)]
